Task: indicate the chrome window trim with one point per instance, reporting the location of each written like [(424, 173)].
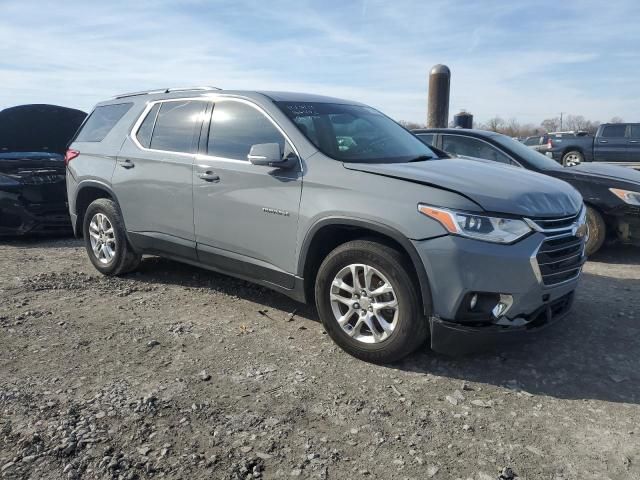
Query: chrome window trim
[(214, 100), (518, 164)]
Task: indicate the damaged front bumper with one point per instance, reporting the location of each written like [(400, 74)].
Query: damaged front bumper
[(519, 289), (20, 217)]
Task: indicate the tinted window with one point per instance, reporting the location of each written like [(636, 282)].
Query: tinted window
[(473, 148), (427, 138), (235, 127), (101, 121), (635, 131), (614, 131), (532, 141), (355, 133), (176, 126), (146, 128)]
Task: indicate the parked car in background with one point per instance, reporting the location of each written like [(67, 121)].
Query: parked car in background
[(328, 200), (614, 143), (33, 140), (611, 193), (536, 142)]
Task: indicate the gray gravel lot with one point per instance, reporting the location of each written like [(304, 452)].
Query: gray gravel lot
[(176, 372)]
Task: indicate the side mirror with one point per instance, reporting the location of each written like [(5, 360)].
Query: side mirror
[(268, 154)]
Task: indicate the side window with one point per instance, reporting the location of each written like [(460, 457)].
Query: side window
[(101, 121), (146, 127), (176, 126), (635, 131), (426, 138), (614, 131), (473, 147), (235, 127)]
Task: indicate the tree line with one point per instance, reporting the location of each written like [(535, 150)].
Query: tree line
[(513, 128)]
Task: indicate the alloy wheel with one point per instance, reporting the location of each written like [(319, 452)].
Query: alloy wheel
[(364, 303), (102, 237)]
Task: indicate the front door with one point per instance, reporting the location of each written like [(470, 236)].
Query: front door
[(611, 145), (153, 177), (245, 215)]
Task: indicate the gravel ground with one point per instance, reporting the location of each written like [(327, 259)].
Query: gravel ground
[(176, 372)]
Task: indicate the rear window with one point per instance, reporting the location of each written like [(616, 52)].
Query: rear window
[(101, 121), (146, 128), (175, 126), (614, 131)]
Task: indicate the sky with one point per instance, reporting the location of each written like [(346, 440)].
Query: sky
[(521, 59)]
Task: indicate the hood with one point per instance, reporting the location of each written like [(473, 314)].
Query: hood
[(38, 128), (496, 188), (603, 171)]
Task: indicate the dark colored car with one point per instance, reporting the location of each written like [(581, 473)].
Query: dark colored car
[(614, 143), (611, 193), (33, 140)]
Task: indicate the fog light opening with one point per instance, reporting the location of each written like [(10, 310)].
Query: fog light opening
[(473, 302), (503, 306)]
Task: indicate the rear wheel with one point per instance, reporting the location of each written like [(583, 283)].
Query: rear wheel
[(105, 239), (367, 301), (597, 231), (572, 158)]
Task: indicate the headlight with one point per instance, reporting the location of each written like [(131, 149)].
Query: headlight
[(6, 181), (480, 227), (627, 196)]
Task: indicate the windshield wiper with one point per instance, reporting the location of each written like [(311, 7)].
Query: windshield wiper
[(421, 158)]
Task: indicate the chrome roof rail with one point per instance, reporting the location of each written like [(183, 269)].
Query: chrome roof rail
[(165, 90)]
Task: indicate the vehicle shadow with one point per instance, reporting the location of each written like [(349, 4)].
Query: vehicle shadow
[(157, 270), (618, 255), (594, 353), (40, 241)]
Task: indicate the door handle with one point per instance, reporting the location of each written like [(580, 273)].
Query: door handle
[(633, 141), (127, 164), (209, 176), (604, 141)]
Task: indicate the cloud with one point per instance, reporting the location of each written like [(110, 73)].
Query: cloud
[(512, 60)]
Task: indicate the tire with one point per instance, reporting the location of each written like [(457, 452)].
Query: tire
[(387, 266), (597, 231), (119, 258), (572, 158)]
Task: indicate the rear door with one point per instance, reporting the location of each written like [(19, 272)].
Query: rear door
[(153, 176), (611, 145), (245, 215), (633, 149)]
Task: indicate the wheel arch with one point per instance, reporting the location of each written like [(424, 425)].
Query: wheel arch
[(87, 192), (328, 233)]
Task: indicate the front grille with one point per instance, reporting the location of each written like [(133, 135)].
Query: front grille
[(556, 223), (560, 259)]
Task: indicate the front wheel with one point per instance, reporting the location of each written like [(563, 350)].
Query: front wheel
[(105, 239), (368, 303), (597, 231), (572, 158)]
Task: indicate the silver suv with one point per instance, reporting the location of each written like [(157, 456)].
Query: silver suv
[(328, 200)]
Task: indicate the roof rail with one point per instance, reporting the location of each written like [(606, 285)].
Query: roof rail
[(166, 90)]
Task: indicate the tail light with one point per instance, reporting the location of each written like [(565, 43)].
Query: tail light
[(70, 155), (550, 144)]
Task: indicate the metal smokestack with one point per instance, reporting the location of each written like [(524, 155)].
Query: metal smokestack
[(438, 107)]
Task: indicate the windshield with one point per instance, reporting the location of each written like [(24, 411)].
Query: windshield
[(529, 155), (353, 133)]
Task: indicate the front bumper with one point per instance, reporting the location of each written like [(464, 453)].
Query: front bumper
[(20, 217), (458, 267)]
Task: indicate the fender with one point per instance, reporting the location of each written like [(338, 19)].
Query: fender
[(423, 279), (84, 184)]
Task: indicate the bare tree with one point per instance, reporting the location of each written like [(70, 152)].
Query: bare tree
[(551, 124), (494, 124), (411, 125), (616, 120)]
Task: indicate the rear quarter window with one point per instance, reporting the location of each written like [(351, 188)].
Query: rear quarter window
[(101, 122)]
